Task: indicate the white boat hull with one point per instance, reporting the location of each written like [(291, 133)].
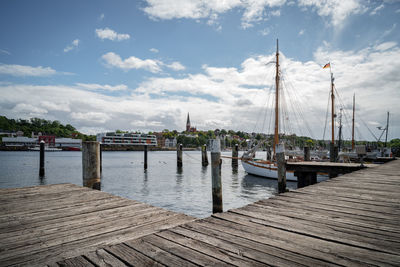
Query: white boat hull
[(263, 169)]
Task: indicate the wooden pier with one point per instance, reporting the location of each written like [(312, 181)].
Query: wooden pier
[(44, 224), (351, 220)]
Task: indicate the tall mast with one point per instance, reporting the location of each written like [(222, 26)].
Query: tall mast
[(277, 78), (340, 129), (387, 128), (333, 106), (352, 129)]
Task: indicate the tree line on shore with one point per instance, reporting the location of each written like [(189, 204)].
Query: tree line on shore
[(230, 138)]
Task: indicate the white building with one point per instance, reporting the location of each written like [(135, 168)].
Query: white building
[(68, 142), (113, 138), (19, 141), (170, 142)]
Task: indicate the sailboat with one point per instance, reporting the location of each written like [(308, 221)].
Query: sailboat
[(267, 168)]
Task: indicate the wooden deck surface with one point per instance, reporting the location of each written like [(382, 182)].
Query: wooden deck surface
[(44, 224), (351, 220)]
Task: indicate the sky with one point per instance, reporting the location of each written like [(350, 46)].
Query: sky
[(143, 65)]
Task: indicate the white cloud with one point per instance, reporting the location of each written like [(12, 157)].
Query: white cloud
[(301, 32), (107, 33), (253, 10), (385, 46), (30, 109), (113, 60), (375, 11), (224, 97), (265, 32), (2, 51), (336, 10), (98, 117), (154, 50), (176, 66), (74, 44), (106, 87), (21, 70)]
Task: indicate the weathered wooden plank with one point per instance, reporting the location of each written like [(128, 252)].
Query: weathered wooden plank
[(75, 226), (183, 252), (85, 231), (344, 212), (245, 248), (32, 221), (216, 252), (333, 249), (157, 254), (75, 262), (310, 194), (270, 250), (349, 226), (88, 244), (316, 230), (102, 258), (130, 256), (349, 217)]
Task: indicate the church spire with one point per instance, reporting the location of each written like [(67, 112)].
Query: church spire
[(188, 123)]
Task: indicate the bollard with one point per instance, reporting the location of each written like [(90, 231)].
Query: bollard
[(235, 155), (280, 158), (145, 157), (204, 158), (41, 163), (91, 164), (307, 153), (216, 175), (179, 156)]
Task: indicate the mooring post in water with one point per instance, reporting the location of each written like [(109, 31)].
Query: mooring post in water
[(307, 153), (145, 157), (41, 163), (101, 158), (91, 164), (179, 156), (280, 158), (204, 158), (216, 175), (333, 152), (235, 155)]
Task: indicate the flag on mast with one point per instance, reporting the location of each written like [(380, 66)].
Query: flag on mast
[(327, 65)]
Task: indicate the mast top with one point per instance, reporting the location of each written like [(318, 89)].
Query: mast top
[(277, 46)]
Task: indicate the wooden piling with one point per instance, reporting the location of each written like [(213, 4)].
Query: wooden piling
[(179, 156), (145, 157), (91, 164), (280, 158), (307, 153), (235, 155), (216, 175), (101, 158), (204, 158), (41, 163)]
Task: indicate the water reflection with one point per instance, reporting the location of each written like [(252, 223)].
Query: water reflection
[(186, 189)]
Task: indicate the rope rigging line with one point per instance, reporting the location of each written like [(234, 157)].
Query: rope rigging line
[(326, 115)]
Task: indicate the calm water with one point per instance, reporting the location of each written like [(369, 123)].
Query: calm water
[(187, 191)]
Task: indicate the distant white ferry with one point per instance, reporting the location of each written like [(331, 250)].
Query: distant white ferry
[(113, 138)]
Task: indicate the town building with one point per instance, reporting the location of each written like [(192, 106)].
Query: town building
[(113, 138), (170, 142)]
